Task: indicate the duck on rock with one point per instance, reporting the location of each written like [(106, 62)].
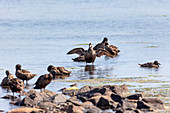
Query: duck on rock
[(154, 64), (90, 54), (5, 81), (23, 74)]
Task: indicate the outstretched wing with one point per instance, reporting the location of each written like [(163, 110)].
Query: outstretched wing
[(25, 71), (80, 51), (101, 52)]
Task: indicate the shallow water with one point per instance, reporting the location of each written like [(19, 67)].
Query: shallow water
[(36, 34)]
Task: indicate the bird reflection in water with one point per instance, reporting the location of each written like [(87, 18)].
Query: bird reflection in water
[(90, 68)]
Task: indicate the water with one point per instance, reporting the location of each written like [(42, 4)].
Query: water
[(37, 33)]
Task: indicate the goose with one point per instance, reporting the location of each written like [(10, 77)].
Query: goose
[(16, 85), (154, 64), (90, 54), (23, 74), (5, 81)]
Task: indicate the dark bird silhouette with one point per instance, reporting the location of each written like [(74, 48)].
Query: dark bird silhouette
[(74, 85), (62, 89), (101, 45), (58, 70), (16, 85), (111, 49), (5, 81), (154, 64), (23, 74), (90, 54), (43, 81)]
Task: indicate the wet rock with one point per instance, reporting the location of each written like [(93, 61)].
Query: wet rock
[(94, 110), (134, 97), (49, 93), (26, 110), (116, 89), (74, 109), (94, 99), (59, 98)]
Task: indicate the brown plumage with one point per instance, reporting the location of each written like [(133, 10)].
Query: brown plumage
[(74, 85), (43, 81), (111, 49), (5, 81), (154, 64), (58, 70), (90, 54), (101, 45), (23, 74), (16, 85)]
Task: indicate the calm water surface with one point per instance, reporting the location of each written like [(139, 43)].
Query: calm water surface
[(37, 33)]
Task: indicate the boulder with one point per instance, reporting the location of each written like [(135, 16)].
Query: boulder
[(59, 98), (134, 97), (116, 98), (26, 110), (74, 109), (94, 110)]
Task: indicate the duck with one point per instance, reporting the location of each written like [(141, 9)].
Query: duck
[(16, 85), (90, 54), (43, 81), (5, 81), (23, 74), (74, 85), (101, 45), (154, 64), (58, 70), (111, 49)]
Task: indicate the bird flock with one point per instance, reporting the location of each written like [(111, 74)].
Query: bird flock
[(88, 56)]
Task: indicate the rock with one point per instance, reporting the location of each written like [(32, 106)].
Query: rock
[(127, 105), (104, 102), (134, 97), (128, 111), (150, 103), (9, 97), (49, 93), (94, 110), (47, 106), (116, 98), (74, 109), (26, 110), (59, 98), (116, 89), (94, 99), (74, 101), (87, 104)]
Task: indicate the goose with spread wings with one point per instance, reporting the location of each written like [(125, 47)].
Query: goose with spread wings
[(90, 54)]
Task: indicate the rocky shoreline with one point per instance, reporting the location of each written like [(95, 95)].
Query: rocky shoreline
[(87, 99)]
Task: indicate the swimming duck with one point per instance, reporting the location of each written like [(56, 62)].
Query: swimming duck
[(5, 81), (101, 45), (90, 54), (111, 49), (23, 74), (58, 70), (154, 64), (43, 81), (16, 85)]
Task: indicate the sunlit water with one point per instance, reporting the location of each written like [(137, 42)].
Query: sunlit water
[(37, 33)]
